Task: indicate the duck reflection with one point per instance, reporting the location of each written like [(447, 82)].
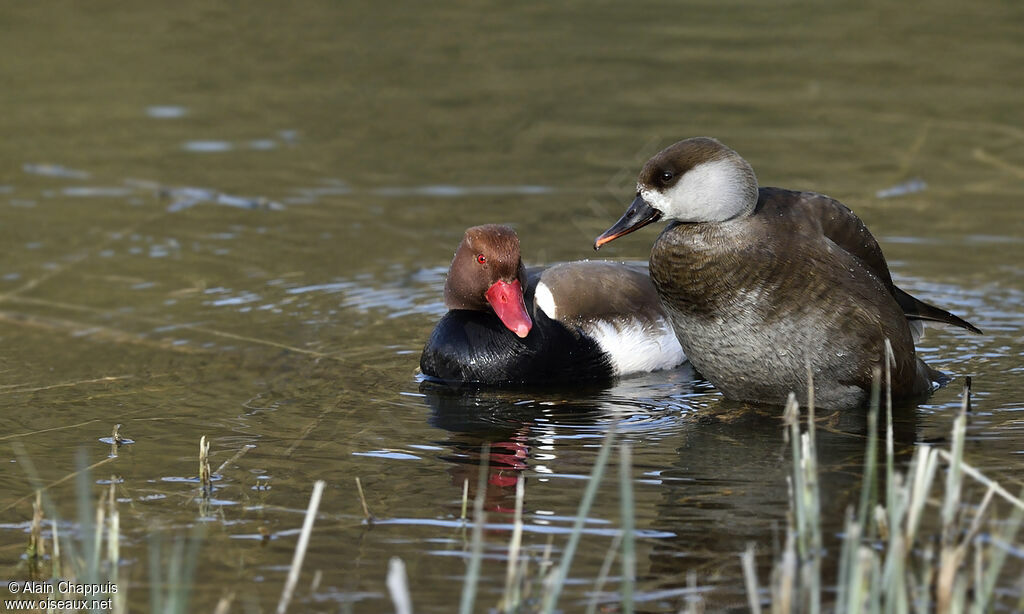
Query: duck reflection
[(521, 427), (710, 475), (505, 422)]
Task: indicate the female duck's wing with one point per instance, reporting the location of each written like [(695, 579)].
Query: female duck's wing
[(841, 226)]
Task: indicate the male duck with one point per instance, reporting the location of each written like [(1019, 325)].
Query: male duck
[(570, 322), (759, 282)]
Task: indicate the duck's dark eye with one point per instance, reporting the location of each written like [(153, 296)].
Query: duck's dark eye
[(481, 259), (667, 176)]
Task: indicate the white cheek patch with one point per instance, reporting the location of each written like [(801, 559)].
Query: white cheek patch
[(709, 192), (544, 300)]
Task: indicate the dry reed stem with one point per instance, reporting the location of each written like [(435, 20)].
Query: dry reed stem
[(900, 584), (237, 455), (20, 388), (306, 431), (971, 126), (204, 466), (93, 331), (398, 586), (515, 543), (465, 498), (115, 439), (119, 598), (694, 600), (81, 257), (981, 155), (36, 544), (750, 579), (602, 574), (164, 323), (100, 520), (57, 568), (783, 585), (224, 603), (908, 157), (626, 503), (362, 499), (58, 482), (980, 477), (477, 543), (559, 575), (300, 547)]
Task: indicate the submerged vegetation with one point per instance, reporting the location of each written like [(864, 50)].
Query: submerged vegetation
[(892, 559), (893, 556), (916, 543)]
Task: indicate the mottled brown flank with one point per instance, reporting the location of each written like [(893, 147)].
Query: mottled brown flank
[(807, 276), (680, 158), (468, 279)]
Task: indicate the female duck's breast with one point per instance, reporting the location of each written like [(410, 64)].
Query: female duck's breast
[(751, 315)]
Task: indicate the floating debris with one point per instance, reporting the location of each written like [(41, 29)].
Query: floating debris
[(991, 239), (186, 197), (166, 111), (458, 190), (392, 454), (204, 466), (248, 203), (97, 191), (142, 184), (340, 286), (242, 299), (207, 146), (54, 170), (299, 200), (116, 438), (329, 190), (164, 250), (908, 187)]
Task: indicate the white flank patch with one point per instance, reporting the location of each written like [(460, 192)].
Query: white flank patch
[(543, 299), (709, 192), (635, 347)]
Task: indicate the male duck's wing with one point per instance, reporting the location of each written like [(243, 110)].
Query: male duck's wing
[(576, 292)]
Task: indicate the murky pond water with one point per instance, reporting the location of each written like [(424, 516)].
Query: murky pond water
[(237, 224)]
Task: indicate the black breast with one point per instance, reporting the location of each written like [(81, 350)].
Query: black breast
[(475, 347)]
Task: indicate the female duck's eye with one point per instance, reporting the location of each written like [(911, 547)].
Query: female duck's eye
[(481, 259), (667, 176)]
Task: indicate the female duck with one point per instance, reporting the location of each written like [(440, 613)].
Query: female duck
[(573, 321), (759, 283)]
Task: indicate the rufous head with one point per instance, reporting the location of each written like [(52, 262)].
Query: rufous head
[(487, 274)]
